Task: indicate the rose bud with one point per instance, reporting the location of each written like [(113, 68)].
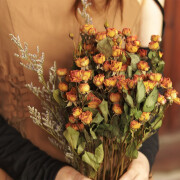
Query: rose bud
[(124, 67), (86, 75), (142, 52), (84, 88), (154, 45), (75, 76), (155, 38), (71, 95), (111, 32), (131, 83), (63, 87), (94, 101), (86, 117), (62, 72), (157, 77), (161, 99), (100, 36), (126, 32), (131, 47), (99, 58), (177, 100), (136, 43), (92, 31), (122, 84), (98, 80), (149, 85), (115, 66), (135, 125), (76, 112), (131, 38), (166, 83), (171, 94), (115, 97), (110, 82), (85, 28), (72, 119), (145, 116), (106, 66), (117, 109), (160, 54), (82, 62), (116, 51), (78, 126), (143, 66)]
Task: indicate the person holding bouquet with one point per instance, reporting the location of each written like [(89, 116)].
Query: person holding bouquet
[(47, 24)]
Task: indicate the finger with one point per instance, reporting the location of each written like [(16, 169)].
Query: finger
[(129, 175)]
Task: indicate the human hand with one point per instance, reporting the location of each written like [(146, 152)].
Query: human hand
[(138, 169), (69, 173)]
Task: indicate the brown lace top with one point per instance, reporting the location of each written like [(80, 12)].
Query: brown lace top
[(47, 24)]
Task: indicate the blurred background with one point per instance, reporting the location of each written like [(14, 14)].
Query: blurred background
[(167, 165)]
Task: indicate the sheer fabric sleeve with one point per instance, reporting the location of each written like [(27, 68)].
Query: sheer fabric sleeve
[(22, 160)]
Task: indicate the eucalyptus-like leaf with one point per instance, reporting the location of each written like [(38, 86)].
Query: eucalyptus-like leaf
[(104, 109), (57, 97), (141, 92), (134, 60)]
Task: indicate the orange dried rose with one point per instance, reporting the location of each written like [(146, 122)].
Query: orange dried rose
[(171, 94), (72, 119), (155, 38), (94, 101), (149, 85), (126, 32), (100, 36), (157, 77), (111, 32), (99, 58), (142, 65), (84, 88), (77, 126), (86, 117), (116, 51), (82, 62), (161, 99), (120, 77), (124, 67), (86, 75), (177, 100), (115, 66), (117, 109), (136, 43), (154, 45), (110, 82), (75, 76), (166, 83), (115, 97), (135, 125), (142, 52), (63, 87), (145, 116), (131, 83), (71, 95), (98, 79), (106, 66), (76, 112), (62, 71), (85, 28), (138, 77), (91, 31), (122, 84), (131, 38), (130, 47)]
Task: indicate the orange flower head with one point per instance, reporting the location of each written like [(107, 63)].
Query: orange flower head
[(137, 77), (171, 94), (82, 62), (120, 77), (71, 95), (161, 99), (106, 66), (142, 52), (75, 76), (166, 83), (115, 97), (85, 28), (63, 87), (142, 65), (98, 80), (77, 127), (72, 119), (157, 77), (84, 88), (124, 67), (115, 66), (117, 109), (126, 32), (76, 112), (131, 83), (149, 85), (116, 51), (61, 71), (86, 75), (130, 47), (177, 100), (94, 101), (110, 82), (136, 43), (122, 84), (100, 36), (131, 38), (155, 38), (154, 45), (135, 125), (145, 116), (86, 117), (111, 32), (92, 31), (99, 58)]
